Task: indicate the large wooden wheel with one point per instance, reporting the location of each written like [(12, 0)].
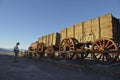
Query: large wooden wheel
[(68, 44), (105, 45), (49, 51), (30, 51), (40, 48)]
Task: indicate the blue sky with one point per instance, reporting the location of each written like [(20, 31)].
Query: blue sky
[(25, 21)]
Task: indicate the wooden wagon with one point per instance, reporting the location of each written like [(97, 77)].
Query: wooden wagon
[(48, 44), (98, 34), (98, 38), (32, 49)]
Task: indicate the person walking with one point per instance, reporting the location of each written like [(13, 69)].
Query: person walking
[(16, 51)]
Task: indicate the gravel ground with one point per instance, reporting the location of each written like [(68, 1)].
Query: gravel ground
[(30, 69)]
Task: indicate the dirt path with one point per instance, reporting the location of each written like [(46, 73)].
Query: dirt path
[(29, 69)]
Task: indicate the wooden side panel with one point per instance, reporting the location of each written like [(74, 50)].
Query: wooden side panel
[(78, 32), (71, 31), (56, 39), (96, 32), (50, 39), (63, 33), (45, 39), (40, 40), (106, 26), (87, 30)]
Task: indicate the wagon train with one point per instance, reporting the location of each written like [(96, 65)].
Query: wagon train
[(96, 39)]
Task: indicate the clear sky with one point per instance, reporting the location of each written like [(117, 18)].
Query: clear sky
[(25, 21)]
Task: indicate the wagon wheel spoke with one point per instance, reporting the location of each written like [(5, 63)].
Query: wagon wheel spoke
[(99, 57), (98, 54), (63, 43), (104, 43), (110, 46), (102, 58), (108, 57), (105, 58), (107, 44), (71, 43), (96, 44), (100, 43)]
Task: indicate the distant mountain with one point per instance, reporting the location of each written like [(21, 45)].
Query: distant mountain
[(5, 50)]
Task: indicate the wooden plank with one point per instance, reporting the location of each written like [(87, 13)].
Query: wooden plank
[(106, 26), (56, 39), (44, 39), (40, 39), (78, 32), (71, 31), (48, 39), (96, 32), (87, 30), (63, 33)]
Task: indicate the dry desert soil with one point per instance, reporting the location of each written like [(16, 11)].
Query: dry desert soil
[(30, 69)]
